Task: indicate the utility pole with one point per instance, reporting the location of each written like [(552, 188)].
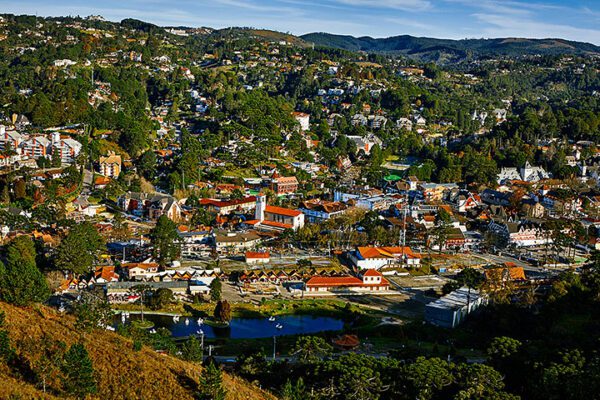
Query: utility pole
[(274, 346)]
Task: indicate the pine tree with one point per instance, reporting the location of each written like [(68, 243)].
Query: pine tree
[(21, 282), (192, 350), (78, 372), (165, 240), (211, 384), (215, 289)]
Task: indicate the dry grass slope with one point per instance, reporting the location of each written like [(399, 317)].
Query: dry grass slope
[(122, 372)]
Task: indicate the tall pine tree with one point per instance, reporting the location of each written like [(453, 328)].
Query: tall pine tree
[(211, 383), (78, 372)]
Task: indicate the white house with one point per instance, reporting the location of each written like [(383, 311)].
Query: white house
[(378, 257), (303, 119)]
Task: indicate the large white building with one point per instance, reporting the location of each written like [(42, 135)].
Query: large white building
[(303, 119), (526, 173), (379, 257), (451, 309)]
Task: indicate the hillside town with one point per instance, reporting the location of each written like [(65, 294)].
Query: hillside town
[(248, 167)]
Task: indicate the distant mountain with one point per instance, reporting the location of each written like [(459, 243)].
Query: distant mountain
[(448, 50)]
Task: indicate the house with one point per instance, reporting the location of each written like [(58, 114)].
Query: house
[(271, 218), (520, 234), (369, 282), (150, 205), (303, 119), (450, 310), (499, 114), (365, 143), (100, 182), (378, 257), (123, 292), (359, 120), (235, 242), (317, 210), (497, 277), (496, 198), (224, 207), (284, 185), (377, 121), (164, 205), (139, 271), (253, 257), (105, 274), (404, 123), (110, 165), (462, 200), (433, 192)]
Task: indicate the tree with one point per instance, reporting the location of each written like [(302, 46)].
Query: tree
[(304, 263), (160, 298), (222, 311), (211, 384), (7, 352), (237, 194), (427, 376), (165, 240), (311, 349), (92, 312), (47, 364), (478, 381), (503, 347), (192, 350), (78, 372), (79, 250), (21, 282), (202, 217), (470, 278), (294, 392), (56, 160), (215, 289)]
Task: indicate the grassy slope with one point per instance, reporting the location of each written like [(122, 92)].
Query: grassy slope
[(123, 373)]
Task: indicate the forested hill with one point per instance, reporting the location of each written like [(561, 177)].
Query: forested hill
[(431, 49)]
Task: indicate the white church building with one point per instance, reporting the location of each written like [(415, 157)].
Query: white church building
[(272, 218)]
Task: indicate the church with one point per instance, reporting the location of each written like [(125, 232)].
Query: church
[(272, 218)]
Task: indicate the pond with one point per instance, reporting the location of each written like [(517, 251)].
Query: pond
[(245, 328)]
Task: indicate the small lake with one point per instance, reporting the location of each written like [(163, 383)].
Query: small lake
[(245, 328)]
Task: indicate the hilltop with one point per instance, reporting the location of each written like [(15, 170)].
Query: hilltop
[(122, 372), (448, 50)]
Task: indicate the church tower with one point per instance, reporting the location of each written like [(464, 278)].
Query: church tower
[(261, 205)]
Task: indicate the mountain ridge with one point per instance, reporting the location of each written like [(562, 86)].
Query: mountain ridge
[(434, 49)]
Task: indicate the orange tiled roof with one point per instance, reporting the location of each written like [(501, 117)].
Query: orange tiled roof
[(256, 254), (328, 281), (372, 272), (282, 211)]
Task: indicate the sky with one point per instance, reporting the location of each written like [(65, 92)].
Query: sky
[(454, 19)]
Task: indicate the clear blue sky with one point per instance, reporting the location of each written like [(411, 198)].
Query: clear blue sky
[(568, 19)]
